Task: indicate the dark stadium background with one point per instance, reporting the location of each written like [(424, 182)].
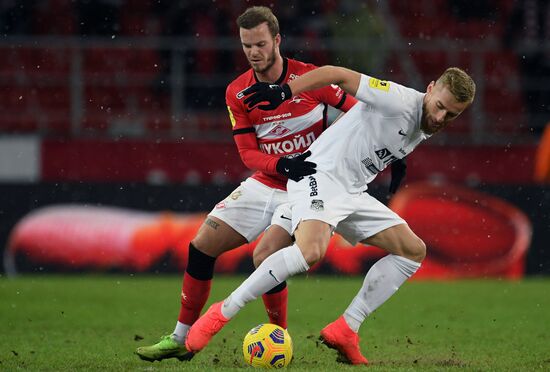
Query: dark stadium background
[(121, 103)]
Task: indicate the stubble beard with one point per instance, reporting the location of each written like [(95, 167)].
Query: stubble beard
[(424, 125), (270, 63), (424, 120)]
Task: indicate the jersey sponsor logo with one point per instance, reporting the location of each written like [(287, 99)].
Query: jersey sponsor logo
[(313, 186), (279, 130), (231, 117), (385, 155), (379, 84), (285, 218), (298, 143), (382, 153), (317, 205), (278, 117), (402, 133)]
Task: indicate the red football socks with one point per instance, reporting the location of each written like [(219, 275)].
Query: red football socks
[(194, 295), (276, 307)]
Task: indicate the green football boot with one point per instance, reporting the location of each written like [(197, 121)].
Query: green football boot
[(164, 349)]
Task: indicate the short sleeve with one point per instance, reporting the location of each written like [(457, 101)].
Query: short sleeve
[(382, 95), (334, 96)]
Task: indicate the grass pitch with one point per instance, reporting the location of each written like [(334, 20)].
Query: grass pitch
[(68, 323)]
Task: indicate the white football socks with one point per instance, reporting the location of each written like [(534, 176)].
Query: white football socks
[(180, 332), (274, 270), (382, 280)]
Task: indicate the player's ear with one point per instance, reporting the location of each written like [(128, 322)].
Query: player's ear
[(430, 86), (277, 40)]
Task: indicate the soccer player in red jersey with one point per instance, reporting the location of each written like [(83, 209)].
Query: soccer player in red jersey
[(272, 143)]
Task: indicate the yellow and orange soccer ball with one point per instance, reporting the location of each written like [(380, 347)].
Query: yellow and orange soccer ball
[(267, 346)]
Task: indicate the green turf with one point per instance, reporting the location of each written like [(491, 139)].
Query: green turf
[(95, 323)]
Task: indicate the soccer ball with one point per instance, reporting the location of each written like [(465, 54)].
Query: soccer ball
[(267, 346)]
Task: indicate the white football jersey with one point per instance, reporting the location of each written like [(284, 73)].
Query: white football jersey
[(382, 127)]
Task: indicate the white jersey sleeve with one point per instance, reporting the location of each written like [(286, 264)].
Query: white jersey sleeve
[(381, 95)]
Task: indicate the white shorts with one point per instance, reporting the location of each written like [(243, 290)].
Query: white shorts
[(283, 217), (355, 216), (252, 207)]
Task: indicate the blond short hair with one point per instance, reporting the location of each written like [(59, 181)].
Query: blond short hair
[(459, 83), (255, 16)]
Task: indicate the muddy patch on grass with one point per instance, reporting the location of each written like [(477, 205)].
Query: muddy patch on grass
[(451, 362)]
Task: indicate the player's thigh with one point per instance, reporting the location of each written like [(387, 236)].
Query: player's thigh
[(274, 239), (399, 240), (215, 237), (282, 217), (318, 204), (239, 218), (276, 236), (369, 218)]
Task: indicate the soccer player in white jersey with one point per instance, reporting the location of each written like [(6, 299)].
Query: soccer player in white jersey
[(389, 121)]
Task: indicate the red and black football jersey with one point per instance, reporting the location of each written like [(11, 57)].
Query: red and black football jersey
[(262, 137)]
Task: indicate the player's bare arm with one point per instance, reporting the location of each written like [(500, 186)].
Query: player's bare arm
[(345, 78), (274, 94)]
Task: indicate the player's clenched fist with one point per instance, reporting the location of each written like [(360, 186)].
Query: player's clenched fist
[(266, 92)]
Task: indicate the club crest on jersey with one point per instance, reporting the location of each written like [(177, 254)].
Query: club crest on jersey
[(279, 130), (236, 195), (317, 205)]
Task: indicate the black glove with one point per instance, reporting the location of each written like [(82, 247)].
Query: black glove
[(296, 168), (398, 171), (266, 92)]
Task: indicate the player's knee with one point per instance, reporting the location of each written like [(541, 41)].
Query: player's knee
[(204, 244), (201, 244), (313, 238), (415, 250), (215, 237), (313, 252), (258, 256)]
